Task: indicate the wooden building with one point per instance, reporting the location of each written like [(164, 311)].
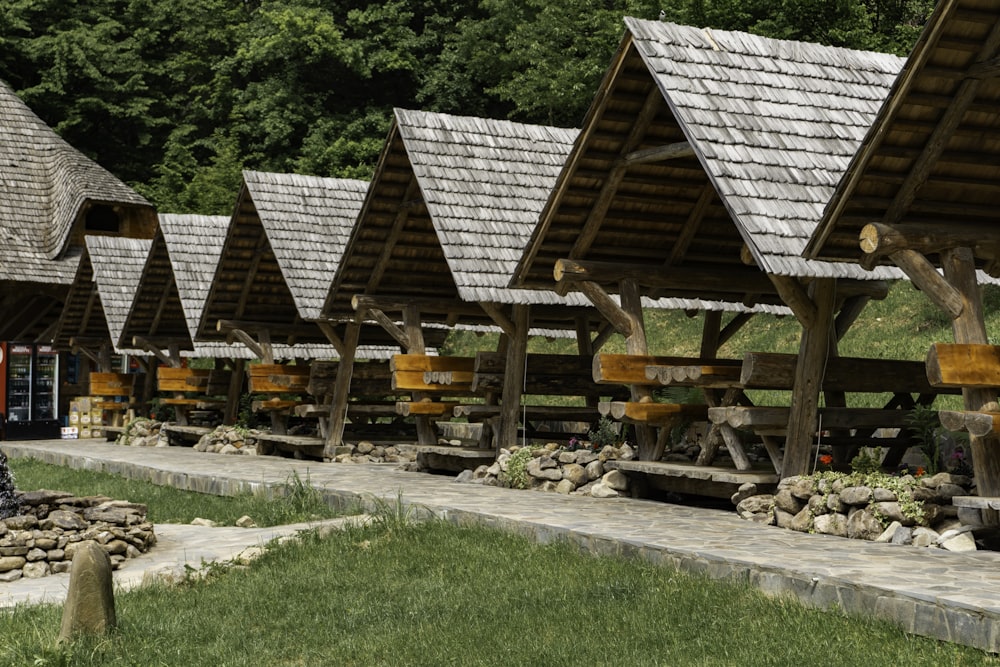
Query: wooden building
[(921, 192), (701, 171), (51, 195), (452, 204)]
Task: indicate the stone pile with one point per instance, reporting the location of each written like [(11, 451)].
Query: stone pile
[(558, 469), (52, 525), (880, 508), (143, 433), (367, 452), (229, 440)]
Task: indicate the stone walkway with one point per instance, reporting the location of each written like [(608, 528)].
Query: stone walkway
[(945, 595)]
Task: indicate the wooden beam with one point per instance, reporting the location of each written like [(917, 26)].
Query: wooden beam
[(609, 309), (606, 331), (924, 275), (945, 128), (145, 344), (813, 349), (162, 305), (251, 272), (341, 392), (964, 365), (513, 379), (690, 228), (710, 331), (331, 335), (390, 240), (92, 299), (650, 447), (396, 304), (879, 239), (247, 340), (390, 327), (796, 298), (733, 326), (674, 151), (986, 69), (614, 178), (495, 312), (736, 280), (848, 315), (970, 327), (304, 329)]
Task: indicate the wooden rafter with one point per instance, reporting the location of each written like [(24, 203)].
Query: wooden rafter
[(691, 225), (395, 232), (737, 280), (162, 305), (680, 149), (496, 313), (88, 309), (251, 273), (593, 224), (939, 138)]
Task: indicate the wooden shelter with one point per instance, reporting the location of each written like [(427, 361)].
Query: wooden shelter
[(452, 204), (51, 195), (921, 191), (701, 171)]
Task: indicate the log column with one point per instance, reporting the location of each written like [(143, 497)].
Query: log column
[(635, 343), (970, 327), (513, 377), (813, 348), (341, 391), (415, 336)]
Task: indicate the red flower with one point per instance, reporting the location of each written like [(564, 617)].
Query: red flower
[(920, 471), (826, 459)]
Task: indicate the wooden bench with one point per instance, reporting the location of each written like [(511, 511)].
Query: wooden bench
[(269, 385), (110, 386), (954, 366), (193, 389)]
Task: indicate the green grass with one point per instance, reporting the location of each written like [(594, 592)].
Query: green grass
[(398, 593), (298, 502)]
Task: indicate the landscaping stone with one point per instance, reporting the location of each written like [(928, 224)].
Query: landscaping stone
[(831, 524), (90, 601), (556, 468)]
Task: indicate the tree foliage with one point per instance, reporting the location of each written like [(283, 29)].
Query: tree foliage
[(177, 96)]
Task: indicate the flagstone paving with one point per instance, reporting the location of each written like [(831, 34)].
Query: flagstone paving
[(940, 594)]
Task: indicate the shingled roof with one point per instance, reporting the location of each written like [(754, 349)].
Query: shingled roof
[(117, 264), (932, 154), (452, 206), (46, 186), (762, 129)]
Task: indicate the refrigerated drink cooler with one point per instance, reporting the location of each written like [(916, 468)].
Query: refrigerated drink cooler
[(29, 391)]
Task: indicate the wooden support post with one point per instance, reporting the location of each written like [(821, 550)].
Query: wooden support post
[(415, 335), (710, 332), (813, 348), (585, 348), (236, 383), (970, 327), (513, 378), (635, 343), (341, 391)]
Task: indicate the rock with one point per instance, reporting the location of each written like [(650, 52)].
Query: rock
[(35, 570), (595, 470), (947, 491), (43, 497), (893, 512), (8, 563), (746, 490), (35, 555), (365, 447), (65, 520), (967, 515), (887, 534), (834, 504), (957, 540), (831, 524), (862, 525), (856, 495), (493, 470), (817, 505), (802, 522), (464, 477), (881, 495), (198, 521), (534, 469), (783, 519), (759, 509), (480, 472), (246, 522), (602, 490), (585, 456), (566, 457), (565, 487), (576, 474), (545, 462), (548, 486), (9, 576), (935, 481), (802, 487), (786, 502), (90, 601), (924, 537), (625, 452), (21, 522), (615, 479), (903, 535)]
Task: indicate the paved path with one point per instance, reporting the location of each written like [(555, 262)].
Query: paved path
[(952, 596)]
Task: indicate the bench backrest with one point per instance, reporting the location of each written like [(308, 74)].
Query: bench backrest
[(261, 378), (111, 384), (957, 365), (630, 369), (175, 380), (368, 379), (545, 375), (423, 372)]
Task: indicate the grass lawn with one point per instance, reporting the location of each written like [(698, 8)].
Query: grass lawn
[(403, 593)]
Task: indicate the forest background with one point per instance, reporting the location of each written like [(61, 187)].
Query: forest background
[(176, 97)]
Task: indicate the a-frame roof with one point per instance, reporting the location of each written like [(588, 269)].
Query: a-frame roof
[(933, 154), (452, 205), (705, 151), (47, 186), (281, 249)]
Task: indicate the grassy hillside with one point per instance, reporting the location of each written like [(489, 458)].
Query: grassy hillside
[(903, 326)]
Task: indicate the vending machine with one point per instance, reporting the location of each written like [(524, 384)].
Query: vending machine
[(29, 391)]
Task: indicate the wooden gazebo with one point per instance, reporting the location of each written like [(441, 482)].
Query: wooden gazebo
[(921, 191), (51, 195), (702, 169)]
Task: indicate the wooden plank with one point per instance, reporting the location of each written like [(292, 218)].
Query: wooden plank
[(774, 419), (980, 424), (770, 370), (657, 414), (458, 378), (426, 362), (967, 365), (259, 377), (631, 368), (111, 384), (712, 376), (426, 408), (414, 381)]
